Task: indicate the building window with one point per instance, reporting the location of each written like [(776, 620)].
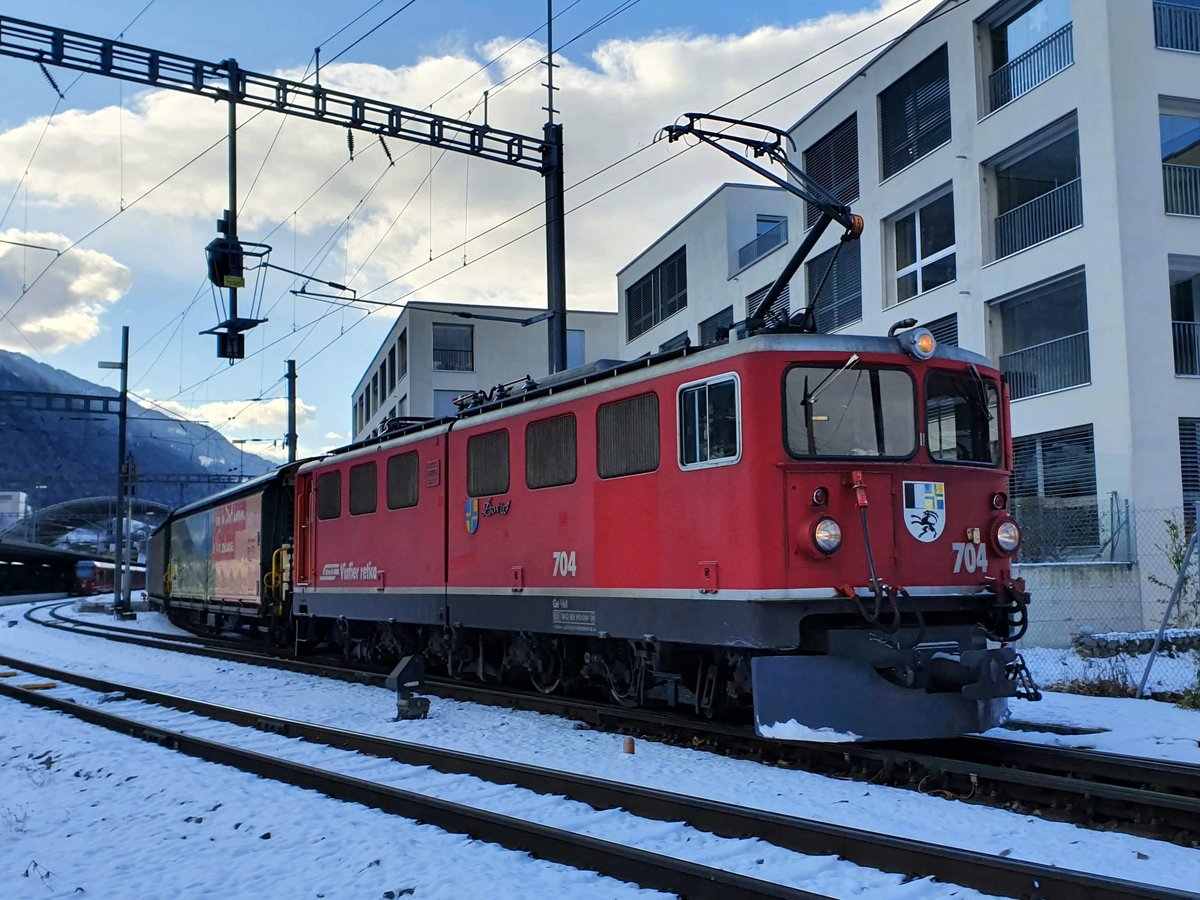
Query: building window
[(770, 232), (363, 488), (657, 296), (1185, 314), (832, 162), (576, 339), (914, 113), (715, 329), (1189, 464), (391, 369), (1053, 491), (487, 464), (453, 347), (402, 354), (443, 404), (708, 423), (945, 330), (403, 483), (1177, 25), (374, 396), (329, 495), (550, 452), (840, 297), (1179, 132), (627, 436), (923, 241), (1029, 42), (1038, 190), (1045, 337), (780, 307)]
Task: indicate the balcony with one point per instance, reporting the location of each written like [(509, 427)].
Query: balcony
[(1052, 366), (453, 360), (763, 244), (1039, 219), (1186, 339), (1181, 188), (1177, 27), (1020, 75)]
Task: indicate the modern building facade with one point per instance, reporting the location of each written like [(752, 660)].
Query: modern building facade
[(1029, 174), (438, 351)]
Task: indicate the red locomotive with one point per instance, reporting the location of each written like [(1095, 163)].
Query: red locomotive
[(98, 577), (808, 528)]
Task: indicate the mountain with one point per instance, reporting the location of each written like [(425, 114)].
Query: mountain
[(60, 455)]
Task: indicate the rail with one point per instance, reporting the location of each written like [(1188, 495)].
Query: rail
[(1181, 189), (1023, 73), (1039, 219), (1185, 336), (985, 872), (1052, 366), (1177, 27), (453, 360), (773, 237)]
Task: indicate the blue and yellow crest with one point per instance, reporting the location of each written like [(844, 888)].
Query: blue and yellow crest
[(472, 516)]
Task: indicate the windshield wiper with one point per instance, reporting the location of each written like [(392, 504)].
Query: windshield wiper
[(981, 393), (810, 397)]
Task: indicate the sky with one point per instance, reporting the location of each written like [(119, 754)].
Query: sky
[(132, 180)]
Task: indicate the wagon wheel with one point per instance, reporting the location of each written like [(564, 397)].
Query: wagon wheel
[(546, 666), (625, 674)]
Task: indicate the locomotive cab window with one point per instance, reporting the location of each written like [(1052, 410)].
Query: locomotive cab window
[(487, 464), (850, 410), (550, 452), (962, 421), (329, 495), (627, 436), (403, 482), (709, 427), (364, 487)]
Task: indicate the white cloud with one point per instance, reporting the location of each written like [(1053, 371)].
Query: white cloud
[(611, 105), (239, 415), (63, 307), (334, 436)]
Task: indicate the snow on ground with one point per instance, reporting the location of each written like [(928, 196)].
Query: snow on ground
[(88, 812), (1169, 673), (551, 741)]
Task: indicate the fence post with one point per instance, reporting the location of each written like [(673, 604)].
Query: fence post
[(1131, 551), (1187, 562)]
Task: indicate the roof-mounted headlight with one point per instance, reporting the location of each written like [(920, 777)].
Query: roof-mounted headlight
[(917, 342)]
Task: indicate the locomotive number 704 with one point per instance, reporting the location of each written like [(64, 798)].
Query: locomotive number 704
[(564, 562), (969, 556)]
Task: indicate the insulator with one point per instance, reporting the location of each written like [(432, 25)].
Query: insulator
[(53, 83), (386, 151), (350, 141)]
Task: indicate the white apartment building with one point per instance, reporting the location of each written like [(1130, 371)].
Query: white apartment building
[(1029, 174), (438, 351)]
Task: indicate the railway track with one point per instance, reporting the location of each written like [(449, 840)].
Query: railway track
[(986, 873), (1152, 798)]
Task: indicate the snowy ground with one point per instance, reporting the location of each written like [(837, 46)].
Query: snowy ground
[(354, 837), (1171, 672)]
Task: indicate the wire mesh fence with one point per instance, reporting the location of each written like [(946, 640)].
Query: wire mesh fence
[(1101, 575)]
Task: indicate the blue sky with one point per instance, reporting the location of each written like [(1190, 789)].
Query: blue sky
[(108, 143)]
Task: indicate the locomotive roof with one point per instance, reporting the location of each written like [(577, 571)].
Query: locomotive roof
[(598, 373), (246, 487)]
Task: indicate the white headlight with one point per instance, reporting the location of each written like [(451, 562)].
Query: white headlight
[(827, 535), (1008, 536)]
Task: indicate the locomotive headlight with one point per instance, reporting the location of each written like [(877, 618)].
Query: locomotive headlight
[(1008, 536), (827, 535), (917, 342)]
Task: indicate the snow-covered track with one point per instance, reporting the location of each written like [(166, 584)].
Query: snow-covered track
[(984, 872), (1154, 798)]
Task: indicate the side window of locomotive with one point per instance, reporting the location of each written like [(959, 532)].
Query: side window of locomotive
[(849, 410), (364, 487), (708, 423), (403, 483), (627, 436), (550, 452), (329, 495), (487, 464), (962, 420)]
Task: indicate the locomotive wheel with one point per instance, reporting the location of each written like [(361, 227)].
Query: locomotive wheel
[(625, 673), (546, 666)]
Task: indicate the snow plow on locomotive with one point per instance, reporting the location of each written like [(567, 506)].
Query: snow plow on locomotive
[(808, 529)]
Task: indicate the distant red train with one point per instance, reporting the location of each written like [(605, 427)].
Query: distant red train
[(98, 577), (812, 529)]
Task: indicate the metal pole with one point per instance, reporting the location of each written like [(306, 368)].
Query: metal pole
[(556, 252), (127, 573), (1179, 580), (291, 396), (232, 65), (122, 415)]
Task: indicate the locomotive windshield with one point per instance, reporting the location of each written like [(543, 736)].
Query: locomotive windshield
[(849, 410), (961, 417)]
